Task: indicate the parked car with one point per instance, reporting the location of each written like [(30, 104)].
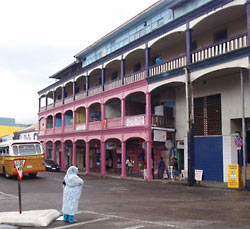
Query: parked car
[(51, 166)]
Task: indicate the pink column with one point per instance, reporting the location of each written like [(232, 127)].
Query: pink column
[(63, 157), (74, 154), (103, 159), (124, 159), (103, 115), (149, 160), (74, 120), (54, 151), (45, 150), (123, 111), (87, 158), (63, 120), (87, 117), (148, 109)]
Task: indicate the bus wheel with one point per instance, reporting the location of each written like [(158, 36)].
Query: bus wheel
[(32, 174)]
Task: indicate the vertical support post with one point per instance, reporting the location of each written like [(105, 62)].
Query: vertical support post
[(19, 195), (122, 70), (149, 159), (248, 22), (103, 159), (188, 44), (46, 102), (63, 94), (63, 157), (103, 112), (74, 119), (123, 159), (103, 78), (123, 111), (190, 128), (74, 154), (54, 97), (147, 60), (243, 125), (87, 158), (74, 90), (54, 151), (148, 109), (87, 85)]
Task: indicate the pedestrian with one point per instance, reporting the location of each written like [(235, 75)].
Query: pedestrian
[(175, 168), (129, 165), (72, 188), (161, 168)]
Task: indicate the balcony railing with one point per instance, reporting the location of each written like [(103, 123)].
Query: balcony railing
[(81, 95), (68, 129), (220, 48), (167, 65), (58, 103), (112, 84), (68, 99), (161, 121), (95, 125), (95, 90), (113, 123), (136, 76)]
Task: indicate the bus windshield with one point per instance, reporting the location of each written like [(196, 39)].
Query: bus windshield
[(27, 149)]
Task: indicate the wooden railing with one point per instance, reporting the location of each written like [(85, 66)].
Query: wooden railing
[(161, 121), (95, 90), (167, 65), (136, 76), (220, 48), (112, 84)]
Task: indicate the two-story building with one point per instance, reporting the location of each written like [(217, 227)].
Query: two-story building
[(128, 94)]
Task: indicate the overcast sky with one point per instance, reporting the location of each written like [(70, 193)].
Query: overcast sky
[(40, 37)]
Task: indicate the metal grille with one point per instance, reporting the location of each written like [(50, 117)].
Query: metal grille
[(207, 115)]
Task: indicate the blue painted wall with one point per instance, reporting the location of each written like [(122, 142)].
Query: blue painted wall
[(209, 157)]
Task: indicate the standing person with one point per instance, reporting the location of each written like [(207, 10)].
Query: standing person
[(175, 168), (161, 168), (72, 189), (129, 165)]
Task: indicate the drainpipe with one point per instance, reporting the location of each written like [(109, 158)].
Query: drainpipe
[(243, 125)]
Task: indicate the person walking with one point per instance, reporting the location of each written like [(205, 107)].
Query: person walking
[(129, 165), (161, 168), (72, 189)]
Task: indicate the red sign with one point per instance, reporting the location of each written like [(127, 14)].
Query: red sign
[(19, 164), (238, 141)]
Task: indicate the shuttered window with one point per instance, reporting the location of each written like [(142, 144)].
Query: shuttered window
[(207, 115)]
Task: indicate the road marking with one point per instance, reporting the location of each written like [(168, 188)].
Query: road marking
[(8, 195), (135, 227), (82, 223), (133, 220)]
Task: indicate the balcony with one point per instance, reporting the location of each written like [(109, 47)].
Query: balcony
[(161, 121)]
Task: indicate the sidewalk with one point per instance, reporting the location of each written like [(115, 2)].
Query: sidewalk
[(208, 184)]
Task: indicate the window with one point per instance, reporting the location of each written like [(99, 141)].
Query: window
[(114, 75), (137, 67), (15, 150), (38, 149), (26, 149), (220, 35), (207, 115)]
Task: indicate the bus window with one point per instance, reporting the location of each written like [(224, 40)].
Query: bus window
[(7, 150), (26, 149), (38, 149), (15, 150)]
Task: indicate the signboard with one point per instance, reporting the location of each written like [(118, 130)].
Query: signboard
[(19, 164), (135, 121), (160, 135), (233, 176), (198, 174)]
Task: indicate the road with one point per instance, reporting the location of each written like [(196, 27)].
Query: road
[(130, 204)]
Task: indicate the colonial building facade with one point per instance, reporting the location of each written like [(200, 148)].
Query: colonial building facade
[(128, 94)]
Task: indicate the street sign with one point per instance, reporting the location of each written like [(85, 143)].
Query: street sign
[(19, 164), (233, 176), (238, 141)]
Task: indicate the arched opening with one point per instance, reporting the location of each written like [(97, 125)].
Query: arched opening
[(58, 120), (80, 118), (59, 94), (49, 149), (135, 61), (68, 93), (80, 155), (42, 124), (95, 78), (113, 108), (68, 154), (95, 155), (50, 98), (49, 122), (95, 112), (80, 87), (42, 101), (135, 104), (68, 118), (113, 71), (58, 152)]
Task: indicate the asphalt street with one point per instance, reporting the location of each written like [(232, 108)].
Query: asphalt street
[(131, 204)]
